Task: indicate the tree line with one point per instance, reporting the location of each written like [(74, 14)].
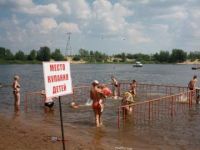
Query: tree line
[(176, 56), (45, 54)]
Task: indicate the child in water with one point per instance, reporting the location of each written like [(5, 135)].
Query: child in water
[(105, 92)]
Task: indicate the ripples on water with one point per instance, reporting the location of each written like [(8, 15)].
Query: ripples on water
[(182, 130)]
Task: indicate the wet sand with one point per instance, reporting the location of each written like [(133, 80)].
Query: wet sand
[(18, 135)]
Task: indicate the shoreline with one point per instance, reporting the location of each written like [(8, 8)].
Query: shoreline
[(187, 62)]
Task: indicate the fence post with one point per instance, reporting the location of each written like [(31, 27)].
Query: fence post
[(149, 110), (172, 106), (190, 98), (25, 102), (118, 118), (119, 90), (197, 95)]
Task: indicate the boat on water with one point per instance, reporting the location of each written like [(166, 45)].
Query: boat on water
[(138, 64), (196, 66)]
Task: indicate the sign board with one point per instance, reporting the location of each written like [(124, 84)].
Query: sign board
[(57, 78)]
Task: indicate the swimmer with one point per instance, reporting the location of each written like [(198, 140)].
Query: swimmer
[(74, 105)]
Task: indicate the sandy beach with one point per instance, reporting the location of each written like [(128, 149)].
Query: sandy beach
[(18, 135), (188, 62)]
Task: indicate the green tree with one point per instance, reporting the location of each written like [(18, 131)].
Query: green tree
[(44, 54), (194, 55), (141, 57), (84, 54), (162, 57), (178, 55), (20, 55), (2, 53), (57, 55), (130, 56), (32, 55), (123, 57), (76, 58), (9, 55)]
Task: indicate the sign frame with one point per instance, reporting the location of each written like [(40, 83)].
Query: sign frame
[(57, 72)]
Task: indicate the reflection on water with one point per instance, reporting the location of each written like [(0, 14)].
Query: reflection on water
[(179, 131)]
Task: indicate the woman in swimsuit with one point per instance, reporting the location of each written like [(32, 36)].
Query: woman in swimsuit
[(95, 95), (16, 90)]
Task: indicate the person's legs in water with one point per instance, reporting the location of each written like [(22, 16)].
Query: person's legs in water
[(100, 119), (101, 105), (96, 114), (17, 98)]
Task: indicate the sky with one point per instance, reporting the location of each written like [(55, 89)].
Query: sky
[(108, 26)]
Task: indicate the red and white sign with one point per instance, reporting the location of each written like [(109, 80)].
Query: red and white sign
[(57, 78)]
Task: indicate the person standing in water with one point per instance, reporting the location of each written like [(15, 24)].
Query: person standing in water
[(95, 95), (115, 85), (192, 83), (133, 86), (16, 90)]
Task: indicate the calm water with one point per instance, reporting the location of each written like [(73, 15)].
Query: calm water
[(182, 132)]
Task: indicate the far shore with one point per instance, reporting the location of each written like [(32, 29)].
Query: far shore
[(187, 62)]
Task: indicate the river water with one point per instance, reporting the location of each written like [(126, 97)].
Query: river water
[(181, 132)]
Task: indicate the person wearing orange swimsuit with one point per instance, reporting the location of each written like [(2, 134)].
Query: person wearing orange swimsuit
[(95, 95)]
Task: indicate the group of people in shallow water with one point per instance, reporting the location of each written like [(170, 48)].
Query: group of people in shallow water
[(98, 94)]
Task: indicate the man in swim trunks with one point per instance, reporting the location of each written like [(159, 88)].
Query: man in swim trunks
[(192, 83), (96, 95), (192, 87)]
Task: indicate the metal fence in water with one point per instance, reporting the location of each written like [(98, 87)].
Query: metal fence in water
[(153, 102), (156, 109)]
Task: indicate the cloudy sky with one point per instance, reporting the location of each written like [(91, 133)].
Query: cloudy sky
[(110, 26)]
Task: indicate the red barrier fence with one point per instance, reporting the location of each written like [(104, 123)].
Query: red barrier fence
[(153, 101), (156, 109), (82, 93)]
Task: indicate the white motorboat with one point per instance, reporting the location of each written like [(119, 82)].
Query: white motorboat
[(138, 64)]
